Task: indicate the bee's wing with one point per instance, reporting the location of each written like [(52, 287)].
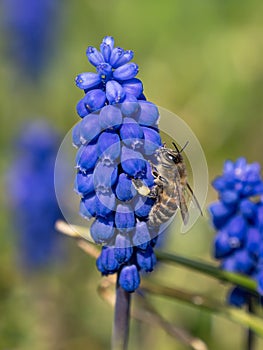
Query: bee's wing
[(180, 200), (194, 198)]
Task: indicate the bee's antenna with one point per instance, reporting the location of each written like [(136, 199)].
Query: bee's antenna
[(175, 146), (177, 149)]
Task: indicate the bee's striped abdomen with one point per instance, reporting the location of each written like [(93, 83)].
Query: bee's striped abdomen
[(163, 210)]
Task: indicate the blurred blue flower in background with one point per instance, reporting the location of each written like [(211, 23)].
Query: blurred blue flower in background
[(116, 138), (31, 28), (32, 195), (238, 219)]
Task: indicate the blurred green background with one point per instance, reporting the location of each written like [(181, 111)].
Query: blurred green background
[(199, 59)]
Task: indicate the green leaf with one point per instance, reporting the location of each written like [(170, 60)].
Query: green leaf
[(208, 269), (202, 302)]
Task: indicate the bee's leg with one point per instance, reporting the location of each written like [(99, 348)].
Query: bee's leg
[(154, 192), (145, 190), (162, 180), (141, 187), (153, 169), (155, 174)]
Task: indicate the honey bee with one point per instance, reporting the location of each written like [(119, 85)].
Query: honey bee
[(170, 178)]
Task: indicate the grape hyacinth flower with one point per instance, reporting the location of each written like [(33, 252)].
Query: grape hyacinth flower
[(116, 138), (238, 219), (32, 196), (114, 80)]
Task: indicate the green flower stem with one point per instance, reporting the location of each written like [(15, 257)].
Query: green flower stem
[(121, 319), (250, 333), (236, 315), (208, 269)]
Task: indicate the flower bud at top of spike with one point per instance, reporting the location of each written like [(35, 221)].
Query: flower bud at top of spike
[(87, 80), (123, 59), (104, 70), (116, 54), (94, 56), (125, 72), (106, 52), (106, 47), (115, 78), (108, 40)]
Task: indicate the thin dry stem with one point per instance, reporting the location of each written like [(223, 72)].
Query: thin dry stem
[(66, 229), (72, 231), (149, 315), (89, 248)]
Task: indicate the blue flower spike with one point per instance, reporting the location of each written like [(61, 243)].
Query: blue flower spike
[(116, 138), (32, 196), (237, 217), (32, 32)]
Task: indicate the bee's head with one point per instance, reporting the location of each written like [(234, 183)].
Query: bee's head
[(168, 156), (173, 156)]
